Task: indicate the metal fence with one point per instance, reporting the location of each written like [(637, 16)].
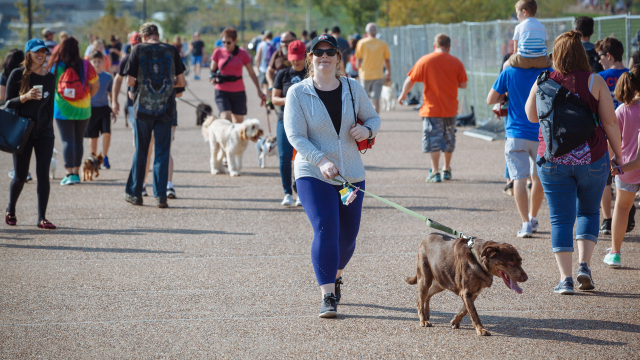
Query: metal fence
[(481, 46)]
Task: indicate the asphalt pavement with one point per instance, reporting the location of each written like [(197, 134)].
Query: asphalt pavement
[(225, 272)]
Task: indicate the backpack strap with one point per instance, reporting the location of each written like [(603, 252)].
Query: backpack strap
[(544, 76), (591, 81)]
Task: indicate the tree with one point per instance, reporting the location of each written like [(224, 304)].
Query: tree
[(38, 14)]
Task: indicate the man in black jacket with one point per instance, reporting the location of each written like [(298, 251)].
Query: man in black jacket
[(584, 25)]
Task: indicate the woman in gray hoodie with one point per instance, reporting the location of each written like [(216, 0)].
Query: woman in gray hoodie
[(320, 124)]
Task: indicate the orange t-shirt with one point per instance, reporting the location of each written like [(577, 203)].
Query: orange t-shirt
[(441, 74)]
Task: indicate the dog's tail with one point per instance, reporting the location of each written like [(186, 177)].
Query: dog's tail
[(205, 127), (411, 280)]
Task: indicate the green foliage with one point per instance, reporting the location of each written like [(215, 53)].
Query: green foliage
[(38, 13)]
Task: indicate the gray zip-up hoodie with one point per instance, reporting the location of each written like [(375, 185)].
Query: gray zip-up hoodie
[(311, 132)]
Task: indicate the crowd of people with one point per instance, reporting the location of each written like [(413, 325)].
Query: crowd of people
[(327, 91)]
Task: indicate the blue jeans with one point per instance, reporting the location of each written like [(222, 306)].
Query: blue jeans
[(574, 191), (335, 226), (285, 152), (142, 136)]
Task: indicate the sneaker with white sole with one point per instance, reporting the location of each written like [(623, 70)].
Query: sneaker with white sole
[(328, 309), (287, 201), (565, 287), (298, 202), (526, 231), (613, 260), (534, 225), (144, 190), (67, 180), (171, 193)]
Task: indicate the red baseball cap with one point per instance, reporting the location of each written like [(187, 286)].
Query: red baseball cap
[(296, 50), (134, 38)]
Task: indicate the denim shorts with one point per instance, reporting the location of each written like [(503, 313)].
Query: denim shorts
[(520, 155), (633, 188), (196, 60), (438, 134)]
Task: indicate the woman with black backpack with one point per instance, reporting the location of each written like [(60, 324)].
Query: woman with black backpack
[(30, 91), (76, 83), (573, 182)]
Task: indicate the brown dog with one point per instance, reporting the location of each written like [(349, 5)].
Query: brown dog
[(91, 166), (453, 266)]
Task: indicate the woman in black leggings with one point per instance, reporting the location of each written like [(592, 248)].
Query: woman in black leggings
[(30, 91)]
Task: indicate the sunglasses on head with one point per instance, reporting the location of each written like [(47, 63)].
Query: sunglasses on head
[(320, 52)]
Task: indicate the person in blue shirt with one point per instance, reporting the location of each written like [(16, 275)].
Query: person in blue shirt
[(521, 145), (101, 114), (610, 51)]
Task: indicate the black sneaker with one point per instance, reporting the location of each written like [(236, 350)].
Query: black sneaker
[(605, 228), (565, 287), (584, 278), (338, 294), (328, 307), (632, 221), (162, 203), (171, 193), (132, 199)]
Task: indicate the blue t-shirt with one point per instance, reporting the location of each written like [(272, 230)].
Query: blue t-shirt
[(611, 77), (101, 98), (518, 82)]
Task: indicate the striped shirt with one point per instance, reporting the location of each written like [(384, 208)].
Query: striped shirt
[(531, 36)]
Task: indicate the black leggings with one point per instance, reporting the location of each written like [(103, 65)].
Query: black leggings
[(43, 147)]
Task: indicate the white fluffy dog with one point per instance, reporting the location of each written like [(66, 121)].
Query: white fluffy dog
[(266, 146), (230, 140), (54, 165), (388, 96)]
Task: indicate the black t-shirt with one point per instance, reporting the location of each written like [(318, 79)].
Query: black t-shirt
[(197, 47), (40, 111), (286, 79), (332, 100), (113, 56), (153, 102)]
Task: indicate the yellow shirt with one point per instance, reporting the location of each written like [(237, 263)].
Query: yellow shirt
[(373, 53)]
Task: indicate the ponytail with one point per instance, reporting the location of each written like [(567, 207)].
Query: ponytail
[(628, 85), (26, 74)]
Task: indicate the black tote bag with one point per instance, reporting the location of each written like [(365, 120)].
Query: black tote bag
[(14, 131)]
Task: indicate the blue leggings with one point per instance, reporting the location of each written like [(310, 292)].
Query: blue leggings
[(335, 226), (285, 152)]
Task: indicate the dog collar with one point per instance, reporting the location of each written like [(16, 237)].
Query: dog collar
[(470, 244)]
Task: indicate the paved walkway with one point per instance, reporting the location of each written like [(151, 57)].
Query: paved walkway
[(226, 273)]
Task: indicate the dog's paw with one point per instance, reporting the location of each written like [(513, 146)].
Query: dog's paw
[(216, 172), (425, 324), (482, 332), (455, 325), (234, 173)]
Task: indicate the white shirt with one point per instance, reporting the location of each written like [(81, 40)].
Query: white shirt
[(531, 36)]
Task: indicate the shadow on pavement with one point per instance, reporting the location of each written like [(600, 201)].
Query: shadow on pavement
[(89, 250), (69, 231), (517, 327), (386, 168), (426, 208)]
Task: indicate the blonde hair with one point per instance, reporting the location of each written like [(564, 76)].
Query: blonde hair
[(308, 63)]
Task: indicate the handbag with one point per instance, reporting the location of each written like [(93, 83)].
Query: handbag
[(366, 143), (14, 131)]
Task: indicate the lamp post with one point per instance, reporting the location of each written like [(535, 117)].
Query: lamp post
[(144, 10), (242, 21), (30, 32)]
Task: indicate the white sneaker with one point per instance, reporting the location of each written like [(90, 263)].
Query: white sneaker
[(298, 202), (287, 201), (534, 225), (526, 231)]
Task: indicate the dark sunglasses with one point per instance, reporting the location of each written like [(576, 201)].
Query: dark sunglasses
[(320, 52), (601, 55), (227, 42)]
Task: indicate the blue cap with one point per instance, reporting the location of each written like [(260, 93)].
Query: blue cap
[(35, 45)]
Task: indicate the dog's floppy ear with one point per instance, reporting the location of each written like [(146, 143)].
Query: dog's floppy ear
[(243, 133), (491, 250)]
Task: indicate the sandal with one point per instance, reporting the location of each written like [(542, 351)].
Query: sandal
[(11, 219), (46, 224)]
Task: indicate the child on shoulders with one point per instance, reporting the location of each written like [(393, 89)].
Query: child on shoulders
[(530, 38)]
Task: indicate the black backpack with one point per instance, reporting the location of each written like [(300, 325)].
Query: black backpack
[(566, 122), (594, 61)]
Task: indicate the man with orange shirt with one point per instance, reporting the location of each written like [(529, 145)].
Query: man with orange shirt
[(442, 74)]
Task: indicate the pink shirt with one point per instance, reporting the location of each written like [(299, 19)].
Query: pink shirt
[(629, 122), (234, 67)]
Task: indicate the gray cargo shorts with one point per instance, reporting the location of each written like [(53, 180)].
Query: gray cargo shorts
[(438, 134)]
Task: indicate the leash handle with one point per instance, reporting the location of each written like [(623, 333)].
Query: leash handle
[(268, 121)]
